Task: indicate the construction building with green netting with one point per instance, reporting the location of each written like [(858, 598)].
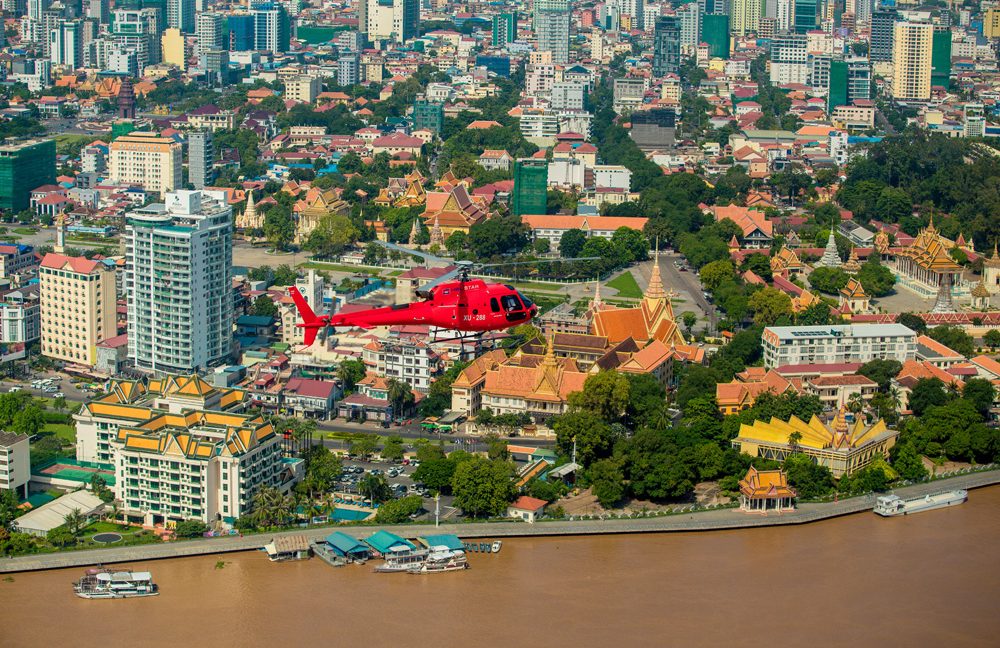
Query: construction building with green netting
[(25, 165)]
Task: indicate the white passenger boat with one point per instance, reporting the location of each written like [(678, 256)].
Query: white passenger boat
[(892, 505), (104, 583), (401, 559), (441, 559)]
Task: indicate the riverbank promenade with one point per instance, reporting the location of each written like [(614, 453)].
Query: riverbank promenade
[(711, 520)]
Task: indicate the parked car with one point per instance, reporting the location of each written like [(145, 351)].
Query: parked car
[(51, 389), (58, 395), (14, 389)]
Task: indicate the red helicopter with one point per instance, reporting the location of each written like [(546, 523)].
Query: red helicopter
[(452, 301)]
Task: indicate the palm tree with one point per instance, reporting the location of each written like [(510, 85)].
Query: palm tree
[(793, 441), (271, 507), (74, 521), (399, 393), (855, 403)]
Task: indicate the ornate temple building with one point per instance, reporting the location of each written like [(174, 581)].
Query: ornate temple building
[(652, 319), (455, 210), (926, 266), (842, 447), (981, 295), (991, 272), (765, 491), (250, 219), (853, 298), (787, 263), (313, 206), (804, 300), (407, 191), (882, 243), (852, 266), (830, 258), (532, 384)]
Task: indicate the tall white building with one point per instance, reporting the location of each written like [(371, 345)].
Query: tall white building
[(784, 15), (208, 29), (567, 95), (552, 20), (690, 19), (398, 20), (789, 59), (179, 282), (311, 288), (181, 15), (66, 44)]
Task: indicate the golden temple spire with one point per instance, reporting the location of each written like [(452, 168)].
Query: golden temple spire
[(597, 293), (550, 349), (655, 290)]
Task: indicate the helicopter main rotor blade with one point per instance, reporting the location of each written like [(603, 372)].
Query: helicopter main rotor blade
[(448, 276), (426, 256), (498, 265)]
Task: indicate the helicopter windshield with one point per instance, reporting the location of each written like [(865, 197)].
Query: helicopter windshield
[(527, 302)]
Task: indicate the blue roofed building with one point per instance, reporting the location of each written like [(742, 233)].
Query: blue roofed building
[(347, 546), (383, 542)]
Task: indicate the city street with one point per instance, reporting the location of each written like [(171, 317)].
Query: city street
[(685, 284)]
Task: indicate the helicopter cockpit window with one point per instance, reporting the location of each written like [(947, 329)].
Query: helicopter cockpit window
[(494, 305), (527, 302), (510, 303)]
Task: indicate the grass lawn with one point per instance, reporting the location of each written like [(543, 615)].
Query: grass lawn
[(65, 432), (625, 285), (106, 527), (67, 141), (545, 301), (339, 267), (25, 230)]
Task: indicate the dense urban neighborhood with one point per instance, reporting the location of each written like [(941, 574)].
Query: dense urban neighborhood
[(744, 256)]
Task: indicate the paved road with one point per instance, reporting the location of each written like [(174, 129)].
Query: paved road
[(702, 521), (686, 284)]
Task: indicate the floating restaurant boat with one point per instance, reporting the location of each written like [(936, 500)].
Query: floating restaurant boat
[(401, 559), (893, 505), (287, 548), (441, 559), (106, 584)]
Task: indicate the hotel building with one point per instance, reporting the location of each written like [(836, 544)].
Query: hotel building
[(178, 282), (147, 160), (795, 345), (182, 449), (78, 301)]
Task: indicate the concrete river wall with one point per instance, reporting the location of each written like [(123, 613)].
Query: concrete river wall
[(710, 520)]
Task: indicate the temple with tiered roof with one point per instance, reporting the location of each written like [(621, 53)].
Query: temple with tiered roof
[(842, 446)]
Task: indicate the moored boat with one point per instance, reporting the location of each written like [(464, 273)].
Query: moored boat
[(104, 583), (893, 505), (496, 546), (441, 559), (401, 559)]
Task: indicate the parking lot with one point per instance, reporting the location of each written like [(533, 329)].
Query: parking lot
[(59, 385), (402, 483)]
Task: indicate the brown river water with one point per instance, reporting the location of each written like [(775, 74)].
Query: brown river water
[(927, 580)]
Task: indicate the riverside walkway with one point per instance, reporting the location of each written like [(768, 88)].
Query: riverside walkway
[(711, 520)]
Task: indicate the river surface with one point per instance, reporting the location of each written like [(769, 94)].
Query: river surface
[(927, 580)]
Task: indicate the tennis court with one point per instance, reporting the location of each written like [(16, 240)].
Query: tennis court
[(80, 471)]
